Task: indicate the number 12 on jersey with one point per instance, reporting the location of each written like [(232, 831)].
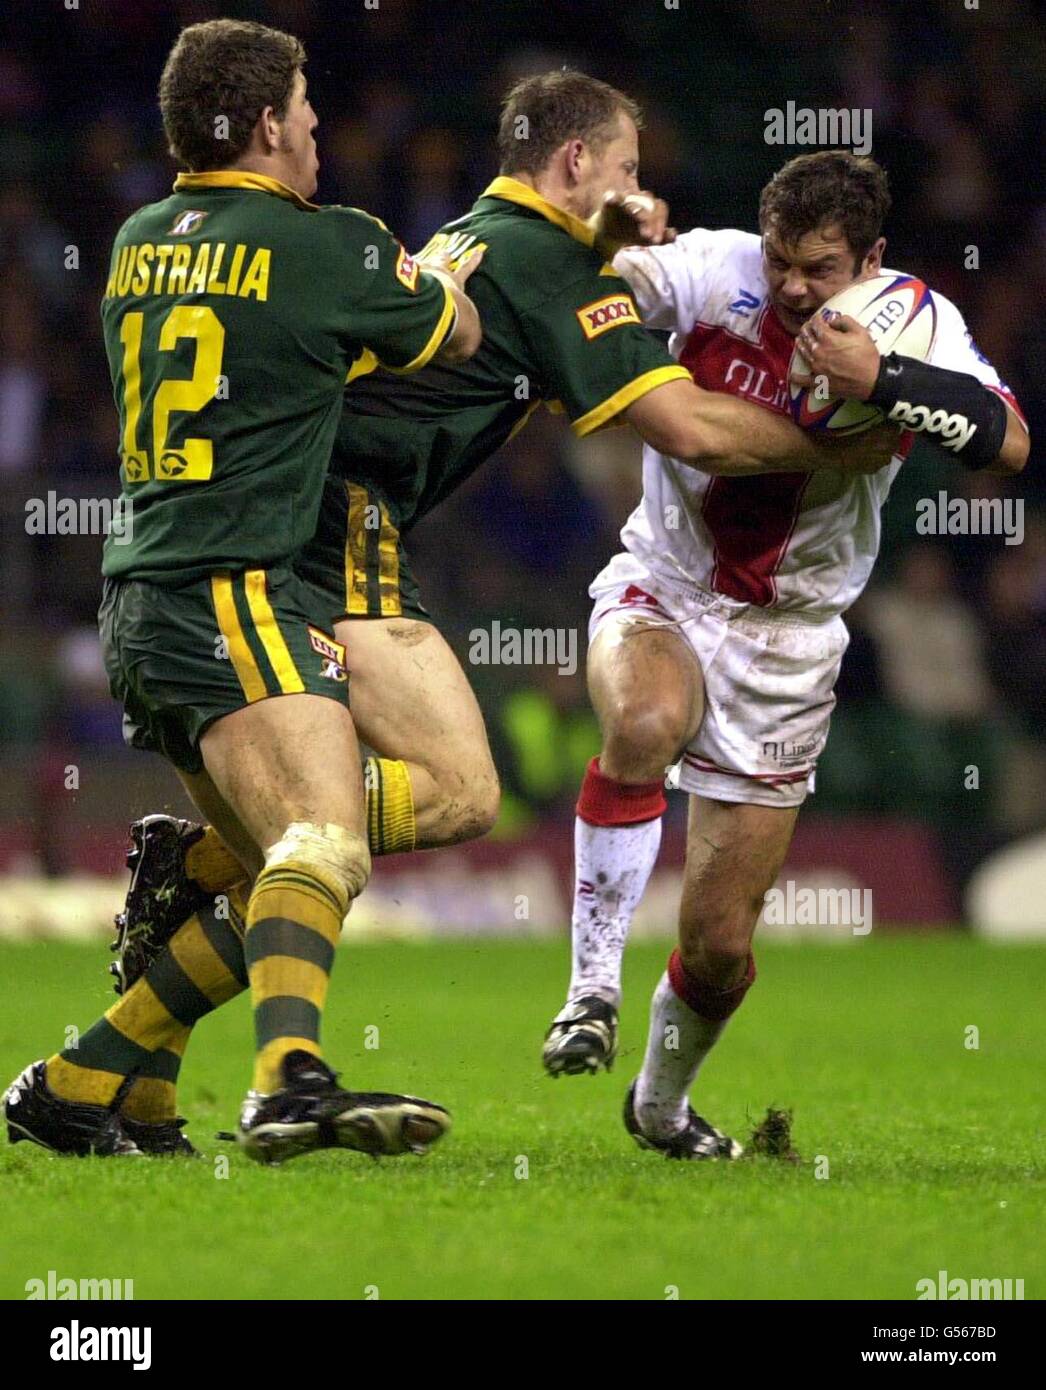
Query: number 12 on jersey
[(193, 461)]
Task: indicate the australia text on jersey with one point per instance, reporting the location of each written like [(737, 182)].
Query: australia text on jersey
[(168, 268)]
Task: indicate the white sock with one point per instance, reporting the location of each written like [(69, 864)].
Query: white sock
[(612, 864), (678, 1042)]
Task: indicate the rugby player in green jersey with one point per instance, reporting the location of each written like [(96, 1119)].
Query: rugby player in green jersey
[(558, 325), (233, 312)]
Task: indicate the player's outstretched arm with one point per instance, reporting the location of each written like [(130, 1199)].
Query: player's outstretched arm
[(466, 333), (721, 434)]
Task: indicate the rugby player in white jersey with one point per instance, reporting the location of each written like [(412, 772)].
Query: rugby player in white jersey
[(717, 633)]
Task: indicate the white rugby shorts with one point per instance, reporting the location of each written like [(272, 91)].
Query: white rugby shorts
[(769, 682)]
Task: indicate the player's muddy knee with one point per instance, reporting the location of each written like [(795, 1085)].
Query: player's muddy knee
[(485, 803), (716, 951), (469, 810), (331, 849), (640, 741)]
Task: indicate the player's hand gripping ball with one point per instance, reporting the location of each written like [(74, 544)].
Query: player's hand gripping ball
[(896, 312)]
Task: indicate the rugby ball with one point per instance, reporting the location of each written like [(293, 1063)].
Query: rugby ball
[(900, 314)]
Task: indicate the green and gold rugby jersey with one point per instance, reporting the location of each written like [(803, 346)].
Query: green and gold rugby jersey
[(233, 313), (559, 326)]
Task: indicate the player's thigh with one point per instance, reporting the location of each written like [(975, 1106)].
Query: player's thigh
[(411, 700), (286, 759), (239, 676), (646, 687), (735, 850)]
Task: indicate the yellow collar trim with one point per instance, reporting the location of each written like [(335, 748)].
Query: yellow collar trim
[(240, 178), (515, 192)]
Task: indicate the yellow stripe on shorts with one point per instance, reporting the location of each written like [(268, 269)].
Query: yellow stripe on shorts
[(389, 567), (271, 637), (243, 662), (356, 550)]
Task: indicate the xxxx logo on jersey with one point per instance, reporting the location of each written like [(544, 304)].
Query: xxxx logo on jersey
[(607, 313), (333, 654)]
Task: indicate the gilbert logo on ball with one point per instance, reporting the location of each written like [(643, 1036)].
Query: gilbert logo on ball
[(900, 315)]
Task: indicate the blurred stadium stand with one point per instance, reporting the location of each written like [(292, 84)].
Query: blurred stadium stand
[(947, 666)]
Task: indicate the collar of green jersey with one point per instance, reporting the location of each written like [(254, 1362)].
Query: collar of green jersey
[(512, 191), (239, 178)]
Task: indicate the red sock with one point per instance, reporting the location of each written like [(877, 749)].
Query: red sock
[(604, 801), (705, 998)]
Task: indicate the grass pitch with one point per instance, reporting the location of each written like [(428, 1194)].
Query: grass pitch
[(933, 1150)]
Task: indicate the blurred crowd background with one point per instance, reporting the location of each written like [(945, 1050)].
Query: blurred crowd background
[(947, 665)]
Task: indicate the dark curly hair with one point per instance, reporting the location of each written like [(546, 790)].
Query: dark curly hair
[(227, 68), (832, 188)]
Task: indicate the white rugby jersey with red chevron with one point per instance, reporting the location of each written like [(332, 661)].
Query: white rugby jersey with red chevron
[(802, 542)]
